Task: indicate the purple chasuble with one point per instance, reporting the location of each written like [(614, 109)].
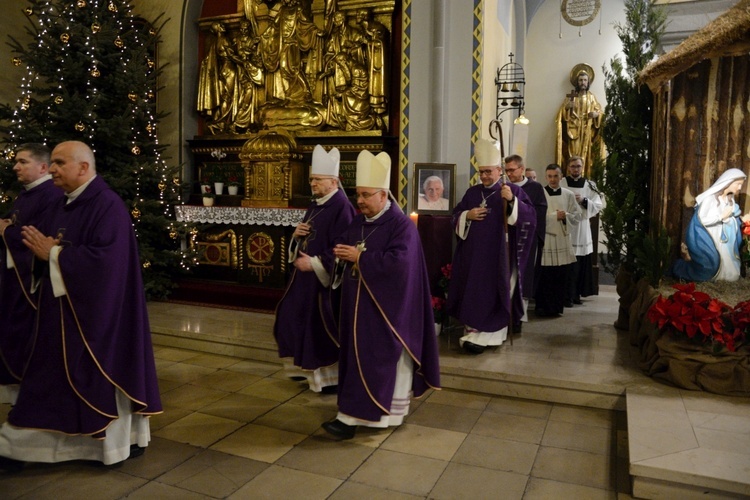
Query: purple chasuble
[(95, 339), (386, 308), (17, 303), (478, 295), (535, 192), (305, 326)]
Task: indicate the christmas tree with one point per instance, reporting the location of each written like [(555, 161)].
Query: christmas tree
[(625, 176), (92, 76)]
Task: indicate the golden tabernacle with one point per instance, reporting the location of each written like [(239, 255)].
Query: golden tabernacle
[(273, 169)]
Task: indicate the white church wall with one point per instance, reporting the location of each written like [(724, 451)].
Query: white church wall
[(421, 90), (497, 45), (441, 83), (179, 77), (549, 60)]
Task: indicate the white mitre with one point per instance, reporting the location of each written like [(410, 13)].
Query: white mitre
[(373, 171), (487, 153), (325, 163)]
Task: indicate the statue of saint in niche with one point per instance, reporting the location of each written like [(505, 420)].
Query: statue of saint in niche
[(377, 52), (579, 120), (217, 80)]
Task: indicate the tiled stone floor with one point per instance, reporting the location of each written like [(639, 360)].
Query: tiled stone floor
[(234, 428)]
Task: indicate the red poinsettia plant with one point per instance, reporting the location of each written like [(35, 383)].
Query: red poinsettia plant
[(438, 309), (233, 180), (696, 316), (208, 192), (740, 319), (438, 303), (745, 250)]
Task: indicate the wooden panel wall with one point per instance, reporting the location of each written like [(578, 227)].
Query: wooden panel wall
[(701, 128)]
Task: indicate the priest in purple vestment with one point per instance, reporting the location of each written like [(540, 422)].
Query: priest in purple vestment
[(387, 333), (90, 383), (515, 170), (495, 223), (305, 328), (17, 299)]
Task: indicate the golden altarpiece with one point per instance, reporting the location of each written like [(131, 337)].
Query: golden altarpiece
[(276, 78)]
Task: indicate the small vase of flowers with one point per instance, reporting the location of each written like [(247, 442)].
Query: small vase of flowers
[(208, 197), (234, 185)]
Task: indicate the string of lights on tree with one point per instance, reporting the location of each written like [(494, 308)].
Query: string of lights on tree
[(91, 75)]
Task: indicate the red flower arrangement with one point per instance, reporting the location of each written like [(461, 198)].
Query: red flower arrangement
[(701, 319), (233, 180), (438, 303), (745, 250), (438, 309), (208, 192)]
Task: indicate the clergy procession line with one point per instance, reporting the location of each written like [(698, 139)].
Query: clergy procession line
[(356, 318), (511, 234)]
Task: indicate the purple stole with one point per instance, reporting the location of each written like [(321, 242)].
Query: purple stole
[(478, 295), (386, 308), (95, 339), (305, 326), (17, 302), (535, 192)]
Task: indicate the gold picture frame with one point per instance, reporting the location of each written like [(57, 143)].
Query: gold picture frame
[(443, 203)]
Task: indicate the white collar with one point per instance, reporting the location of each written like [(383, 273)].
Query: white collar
[(77, 192), (379, 214), (323, 199), (32, 185)]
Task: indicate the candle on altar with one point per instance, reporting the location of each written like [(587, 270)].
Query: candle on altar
[(414, 216)]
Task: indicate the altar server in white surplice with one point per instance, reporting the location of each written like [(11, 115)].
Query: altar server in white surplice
[(563, 216), (588, 199)]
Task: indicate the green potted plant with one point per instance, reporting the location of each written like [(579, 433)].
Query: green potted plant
[(219, 184)]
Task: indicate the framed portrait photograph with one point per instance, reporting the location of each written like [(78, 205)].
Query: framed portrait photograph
[(434, 188)]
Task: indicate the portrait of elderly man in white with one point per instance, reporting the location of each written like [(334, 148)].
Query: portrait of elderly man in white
[(431, 197)]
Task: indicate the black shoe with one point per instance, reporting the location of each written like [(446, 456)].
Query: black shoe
[(339, 429), (298, 379), (136, 451), (541, 313), (473, 348), (577, 302), (568, 303), (330, 389), (517, 328), (10, 465)]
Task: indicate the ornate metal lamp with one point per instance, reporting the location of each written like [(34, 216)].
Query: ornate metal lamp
[(511, 86)]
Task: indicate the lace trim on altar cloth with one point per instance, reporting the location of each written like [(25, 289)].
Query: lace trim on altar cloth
[(239, 215)]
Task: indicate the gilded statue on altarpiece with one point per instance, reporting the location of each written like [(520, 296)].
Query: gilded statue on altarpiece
[(277, 67)]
